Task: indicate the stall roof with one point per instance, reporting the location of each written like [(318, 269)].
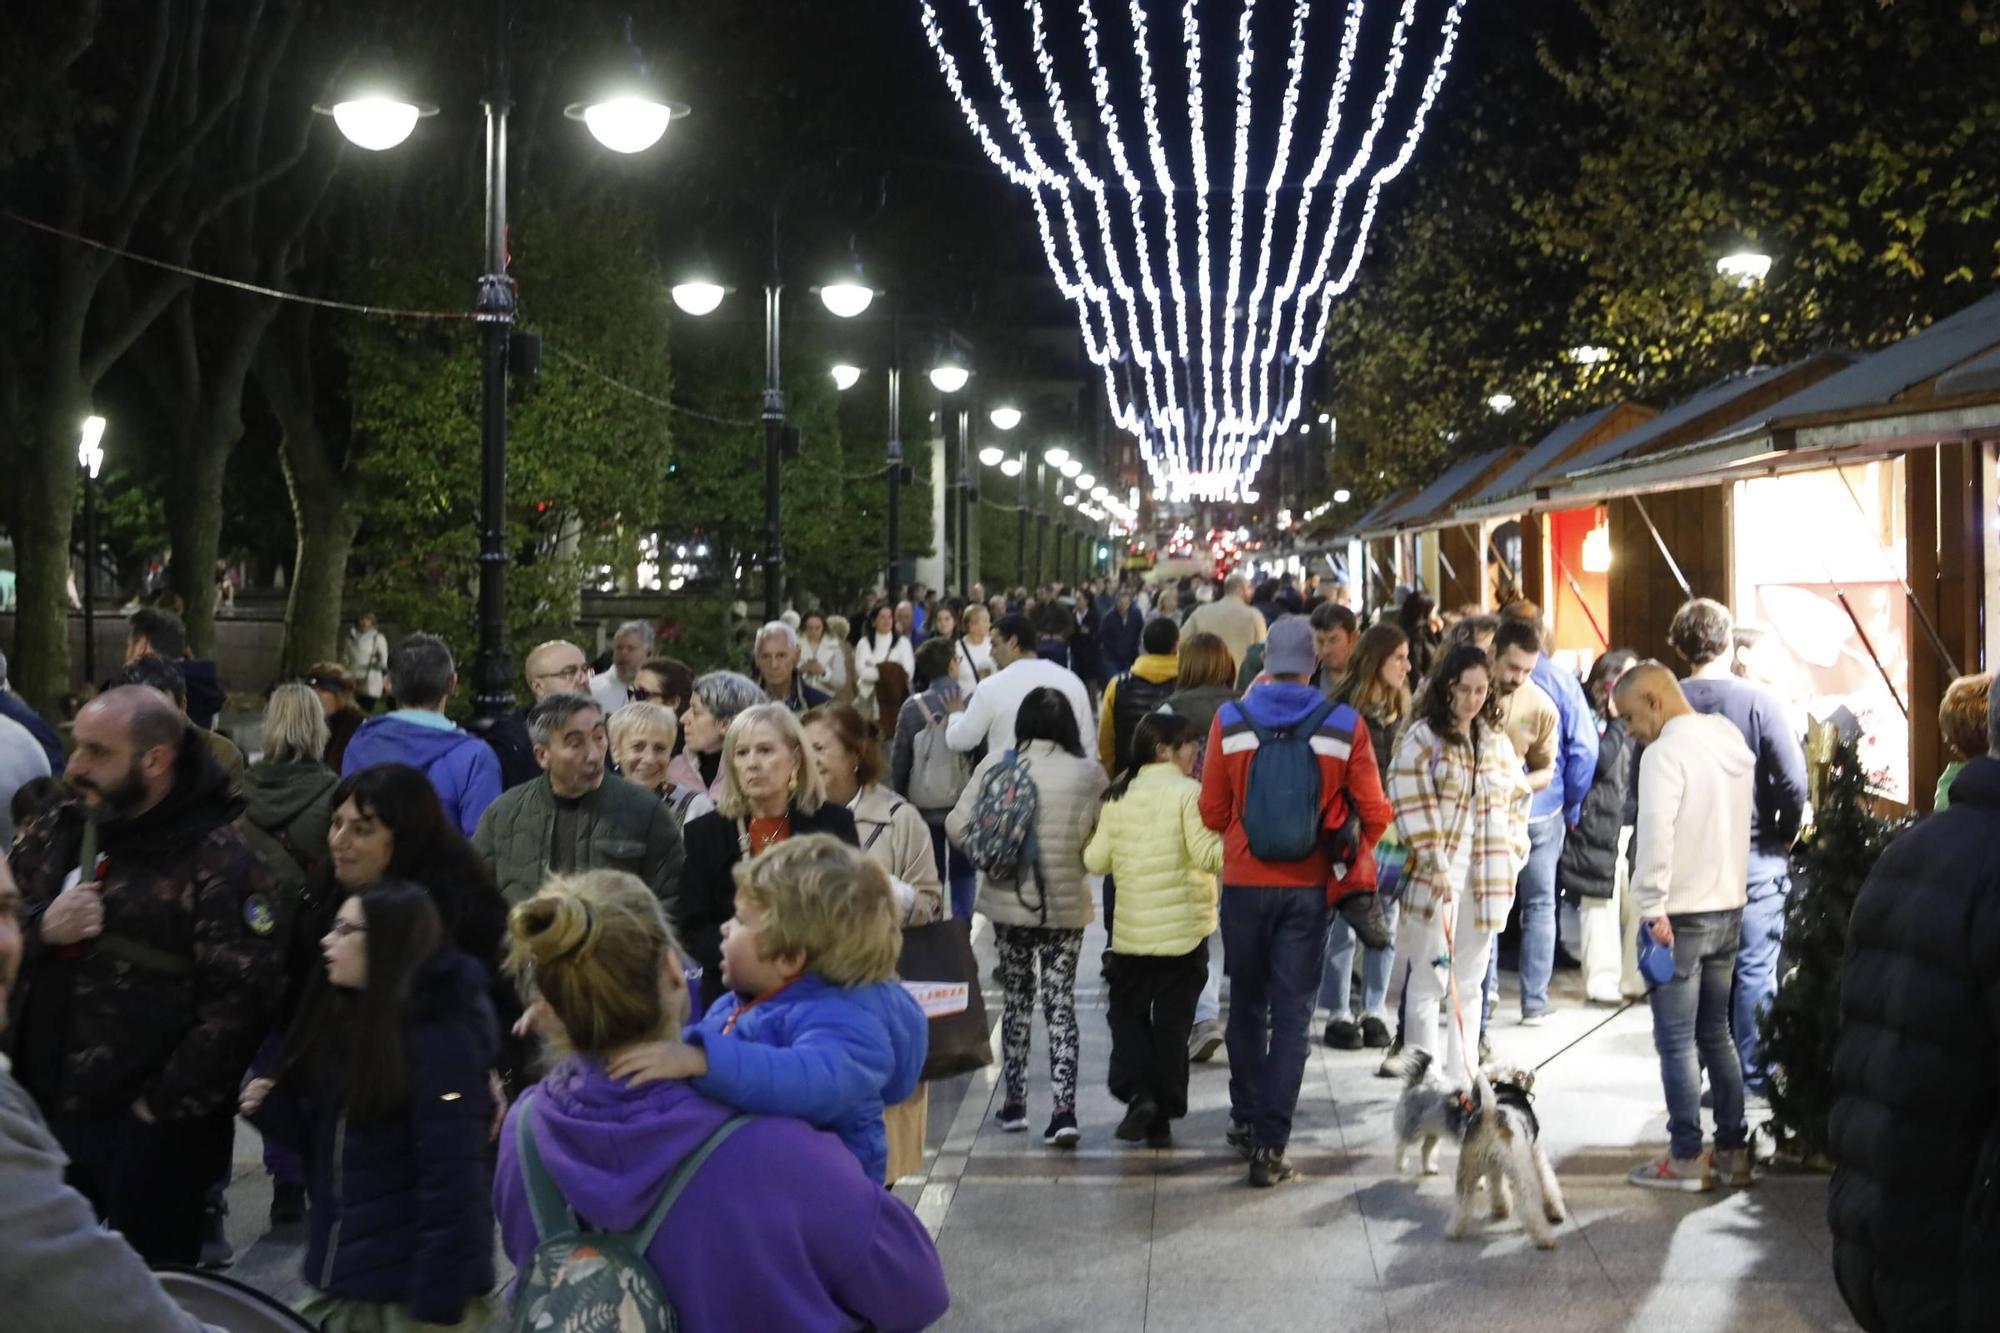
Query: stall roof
[(1879, 378), (1369, 522), (1862, 406), (1511, 491), (1979, 375), (1432, 501)]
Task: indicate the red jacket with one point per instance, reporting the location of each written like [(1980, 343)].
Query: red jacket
[(1349, 778)]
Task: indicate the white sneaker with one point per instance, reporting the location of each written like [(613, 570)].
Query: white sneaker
[(1535, 1020)]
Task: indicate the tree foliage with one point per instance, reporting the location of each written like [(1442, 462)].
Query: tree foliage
[(1595, 158)]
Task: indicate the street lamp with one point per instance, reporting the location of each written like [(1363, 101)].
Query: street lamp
[(698, 298), (1502, 403), (1011, 467), (1342, 496), (949, 377), (1070, 467), (1004, 418), (1746, 268), (991, 455), (845, 377), (845, 298), (90, 457), (379, 118), (1055, 457), (1085, 481)]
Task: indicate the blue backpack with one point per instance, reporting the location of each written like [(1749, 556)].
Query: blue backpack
[(1281, 800)]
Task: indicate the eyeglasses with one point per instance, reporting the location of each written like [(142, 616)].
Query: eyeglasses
[(640, 694), (342, 929), (580, 671)]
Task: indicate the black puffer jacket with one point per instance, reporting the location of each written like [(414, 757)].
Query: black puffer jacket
[(1915, 1203), (401, 1208), (1589, 862)]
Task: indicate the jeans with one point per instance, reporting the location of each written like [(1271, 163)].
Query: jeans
[(1152, 1012), (957, 872), (1208, 1007), (1336, 990), (150, 1182), (1691, 1031), (1274, 949), (1757, 964), (1535, 891)]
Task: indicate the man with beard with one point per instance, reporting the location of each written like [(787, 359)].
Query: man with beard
[(577, 815), (151, 963), (60, 1270)]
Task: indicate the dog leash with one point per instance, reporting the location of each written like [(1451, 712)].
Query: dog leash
[(1616, 1013)]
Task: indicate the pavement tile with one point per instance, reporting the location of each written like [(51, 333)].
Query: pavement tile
[(1467, 1301), (1230, 1203), (1643, 1237), (1766, 1307), (1061, 1275), (1121, 1209), (1288, 1299)]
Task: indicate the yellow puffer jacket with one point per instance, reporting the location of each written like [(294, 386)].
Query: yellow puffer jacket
[(1165, 861)]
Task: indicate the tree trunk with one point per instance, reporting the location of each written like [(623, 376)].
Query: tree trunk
[(321, 479), (326, 523), (194, 526), (47, 474)]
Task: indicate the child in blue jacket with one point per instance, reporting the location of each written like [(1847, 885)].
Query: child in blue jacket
[(813, 1023)]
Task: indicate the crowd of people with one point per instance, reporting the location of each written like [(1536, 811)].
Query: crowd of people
[(629, 955)]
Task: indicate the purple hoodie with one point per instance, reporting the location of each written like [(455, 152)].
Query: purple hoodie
[(780, 1229)]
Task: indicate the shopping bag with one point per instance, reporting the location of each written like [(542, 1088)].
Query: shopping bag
[(940, 972)]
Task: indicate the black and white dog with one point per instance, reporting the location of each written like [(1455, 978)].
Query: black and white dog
[(1499, 1140)]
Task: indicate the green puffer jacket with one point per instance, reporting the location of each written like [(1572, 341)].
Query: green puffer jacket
[(286, 810), (620, 826)]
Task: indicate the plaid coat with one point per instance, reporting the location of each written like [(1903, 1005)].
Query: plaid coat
[(1441, 804)]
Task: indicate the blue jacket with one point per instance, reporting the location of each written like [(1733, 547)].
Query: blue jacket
[(14, 706), (833, 1056), (462, 767), (1576, 762), (1781, 765), (1120, 637), (402, 1209)]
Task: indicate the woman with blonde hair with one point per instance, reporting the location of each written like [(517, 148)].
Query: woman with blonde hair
[(778, 1226), (771, 790), (644, 737)]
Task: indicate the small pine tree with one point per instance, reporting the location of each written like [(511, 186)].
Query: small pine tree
[(1803, 1021)]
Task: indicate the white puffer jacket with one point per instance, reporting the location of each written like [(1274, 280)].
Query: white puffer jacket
[(1068, 791)]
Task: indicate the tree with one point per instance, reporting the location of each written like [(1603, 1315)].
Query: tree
[(587, 458), (113, 113), (1597, 159), (1800, 1028)]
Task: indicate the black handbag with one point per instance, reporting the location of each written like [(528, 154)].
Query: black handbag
[(940, 972)]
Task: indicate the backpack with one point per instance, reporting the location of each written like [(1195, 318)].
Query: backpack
[(1136, 696), (594, 1279), (1281, 799), (938, 773), (1002, 836)]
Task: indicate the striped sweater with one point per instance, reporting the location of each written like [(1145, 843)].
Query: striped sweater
[(1348, 774), (1444, 809)]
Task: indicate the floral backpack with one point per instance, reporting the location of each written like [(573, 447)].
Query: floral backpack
[(1001, 842), (587, 1280)]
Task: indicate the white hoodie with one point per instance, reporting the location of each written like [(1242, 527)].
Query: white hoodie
[(1693, 837)]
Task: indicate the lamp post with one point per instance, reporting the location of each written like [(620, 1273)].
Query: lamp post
[(90, 457), (630, 120)]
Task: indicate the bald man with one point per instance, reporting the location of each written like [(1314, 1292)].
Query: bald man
[(151, 964), (1690, 849), (555, 667)]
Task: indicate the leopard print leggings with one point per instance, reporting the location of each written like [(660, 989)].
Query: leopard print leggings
[(1019, 948)]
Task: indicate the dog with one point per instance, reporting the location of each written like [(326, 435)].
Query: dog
[(1499, 1141)]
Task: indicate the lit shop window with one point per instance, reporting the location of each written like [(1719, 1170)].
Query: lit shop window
[(1821, 616)]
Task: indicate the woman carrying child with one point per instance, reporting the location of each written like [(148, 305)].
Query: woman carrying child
[(780, 1228), (1150, 835)]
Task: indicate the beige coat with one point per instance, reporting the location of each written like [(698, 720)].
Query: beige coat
[(1068, 791), (895, 837)]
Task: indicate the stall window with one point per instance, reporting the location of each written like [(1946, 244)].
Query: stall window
[(1815, 553)]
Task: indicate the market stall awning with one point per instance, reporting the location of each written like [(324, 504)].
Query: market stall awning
[(1370, 523), (1432, 505), (1882, 402), (1513, 489)]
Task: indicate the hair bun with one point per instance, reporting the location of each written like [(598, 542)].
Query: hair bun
[(553, 927)]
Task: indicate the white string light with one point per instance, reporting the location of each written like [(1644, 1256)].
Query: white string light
[(1207, 370)]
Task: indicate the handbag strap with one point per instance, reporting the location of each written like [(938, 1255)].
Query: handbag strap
[(551, 1212)]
